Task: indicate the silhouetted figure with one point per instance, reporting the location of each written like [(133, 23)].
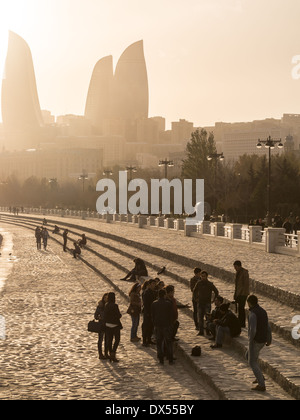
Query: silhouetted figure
[(161, 313), (38, 237), (65, 238), (56, 229), (76, 250), (82, 242), (139, 270), (45, 236)]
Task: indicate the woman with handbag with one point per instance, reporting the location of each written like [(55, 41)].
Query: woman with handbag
[(99, 315), (134, 310), (113, 325)]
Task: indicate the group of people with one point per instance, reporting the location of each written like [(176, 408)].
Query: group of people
[(155, 302), (291, 223), (78, 245), (160, 319), (222, 321), (42, 234)]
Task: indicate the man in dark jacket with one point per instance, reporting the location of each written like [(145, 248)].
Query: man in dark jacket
[(162, 316), (147, 327), (242, 286), (260, 335), (65, 237), (193, 282), (203, 295), (170, 291)]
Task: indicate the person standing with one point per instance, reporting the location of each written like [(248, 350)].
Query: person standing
[(99, 315), (38, 237), (170, 291), (147, 326), (65, 238), (162, 317), (203, 294), (193, 282), (242, 286), (259, 335), (45, 236), (134, 310), (112, 316)]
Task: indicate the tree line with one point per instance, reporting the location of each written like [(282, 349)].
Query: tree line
[(236, 189)]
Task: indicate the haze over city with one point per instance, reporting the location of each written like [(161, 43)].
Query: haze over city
[(207, 60)]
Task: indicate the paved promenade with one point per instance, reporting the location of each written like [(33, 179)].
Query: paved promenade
[(47, 301), (282, 271), (80, 288)]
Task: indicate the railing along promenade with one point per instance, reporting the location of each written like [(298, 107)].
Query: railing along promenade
[(271, 240)]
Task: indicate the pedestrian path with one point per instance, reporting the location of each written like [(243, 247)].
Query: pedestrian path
[(47, 302), (114, 272)]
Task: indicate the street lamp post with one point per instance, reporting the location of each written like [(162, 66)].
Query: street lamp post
[(131, 169), (83, 177), (216, 157), (107, 172), (167, 164), (269, 143)]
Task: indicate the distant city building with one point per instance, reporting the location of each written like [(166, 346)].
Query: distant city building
[(237, 139), (181, 132), (112, 148), (48, 118), (115, 125), (62, 164), (21, 113)]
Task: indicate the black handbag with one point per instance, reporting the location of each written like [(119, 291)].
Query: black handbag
[(96, 326)]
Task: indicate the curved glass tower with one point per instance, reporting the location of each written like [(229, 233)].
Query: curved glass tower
[(130, 98), (21, 113), (98, 103)]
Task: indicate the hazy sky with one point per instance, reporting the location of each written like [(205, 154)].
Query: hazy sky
[(207, 60)]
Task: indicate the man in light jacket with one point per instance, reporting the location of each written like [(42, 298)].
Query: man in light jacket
[(242, 286)]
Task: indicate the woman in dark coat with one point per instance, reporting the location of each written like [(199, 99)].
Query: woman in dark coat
[(112, 316), (99, 315)]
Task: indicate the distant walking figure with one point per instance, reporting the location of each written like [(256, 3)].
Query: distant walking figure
[(38, 237), (45, 236), (65, 238)]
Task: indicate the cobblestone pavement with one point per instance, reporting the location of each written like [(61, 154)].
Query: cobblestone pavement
[(47, 301), (229, 372), (282, 271)]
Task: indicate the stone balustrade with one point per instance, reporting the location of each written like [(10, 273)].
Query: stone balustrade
[(271, 240)]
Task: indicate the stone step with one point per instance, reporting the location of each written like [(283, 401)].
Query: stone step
[(93, 261), (280, 315)]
